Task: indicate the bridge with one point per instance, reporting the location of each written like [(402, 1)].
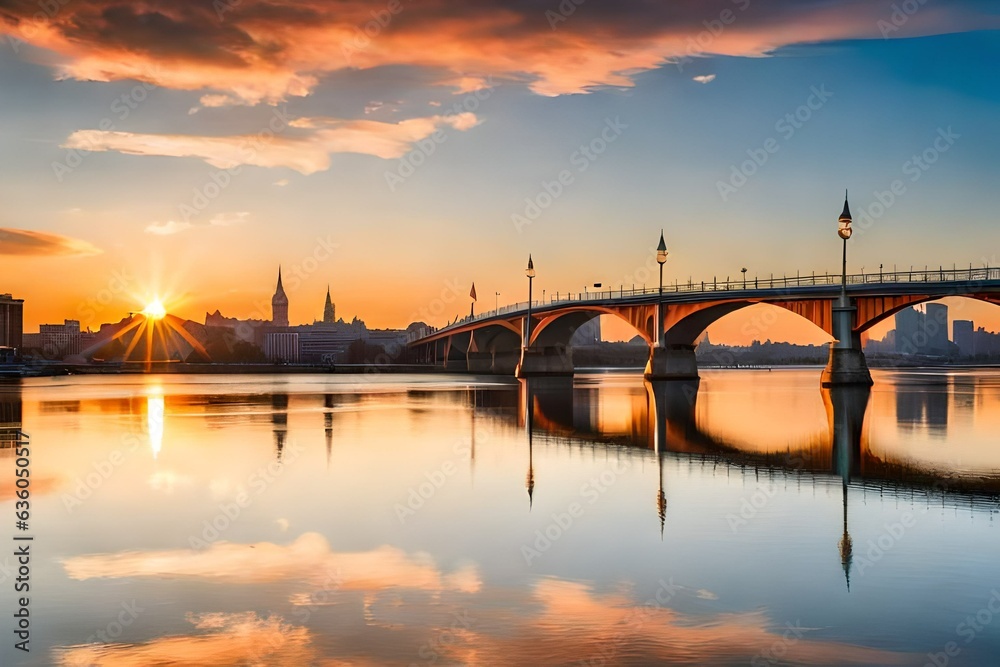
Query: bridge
[(532, 338)]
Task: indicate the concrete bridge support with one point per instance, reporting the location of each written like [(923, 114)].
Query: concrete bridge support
[(847, 365), (547, 360), (672, 362), (505, 362), (480, 362)]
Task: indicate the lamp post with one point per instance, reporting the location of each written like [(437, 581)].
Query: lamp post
[(530, 272), (844, 231), (744, 272), (496, 307), (661, 259)]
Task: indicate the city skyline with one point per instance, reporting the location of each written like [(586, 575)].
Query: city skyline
[(402, 173)]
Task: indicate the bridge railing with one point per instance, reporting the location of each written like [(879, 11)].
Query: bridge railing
[(925, 275)]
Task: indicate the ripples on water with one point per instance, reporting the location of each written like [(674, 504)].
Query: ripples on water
[(323, 520)]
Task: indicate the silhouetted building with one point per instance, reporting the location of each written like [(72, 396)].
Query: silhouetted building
[(910, 335), (281, 346), (985, 343), (11, 321), (329, 309), (279, 305), (935, 323), (962, 334), (56, 341)]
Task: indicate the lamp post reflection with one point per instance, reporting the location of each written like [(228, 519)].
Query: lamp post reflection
[(846, 407), (328, 426)]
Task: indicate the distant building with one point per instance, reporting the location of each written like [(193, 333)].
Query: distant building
[(935, 326), (11, 321), (279, 305), (281, 346), (962, 333), (56, 341), (910, 334)]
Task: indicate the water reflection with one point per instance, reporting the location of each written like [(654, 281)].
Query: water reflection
[(279, 421), (10, 411), (318, 567), (671, 421), (154, 419)]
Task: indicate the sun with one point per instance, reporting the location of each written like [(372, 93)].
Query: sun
[(155, 310)]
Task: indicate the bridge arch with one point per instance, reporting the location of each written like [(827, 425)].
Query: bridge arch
[(556, 329), (874, 310), (684, 323)]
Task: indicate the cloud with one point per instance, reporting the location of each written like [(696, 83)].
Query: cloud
[(305, 147), (229, 219), (705, 78), (168, 228), (27, 242), (221, 639), (281, 182), (308, 557), (259, 51)]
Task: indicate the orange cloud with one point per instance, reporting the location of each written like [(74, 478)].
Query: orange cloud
[(27, 242), (308, 557), (258, 51), (225, 639), (306, 147)]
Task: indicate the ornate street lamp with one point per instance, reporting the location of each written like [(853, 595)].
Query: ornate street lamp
[(844, 231), (661, 259), (530, 272)]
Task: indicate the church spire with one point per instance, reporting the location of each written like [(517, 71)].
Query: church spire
[(329, 309), (279, 304)]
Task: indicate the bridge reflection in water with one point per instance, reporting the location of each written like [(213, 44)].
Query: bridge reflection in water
[(664, 421)]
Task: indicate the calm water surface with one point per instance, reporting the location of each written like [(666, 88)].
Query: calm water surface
[(328, 520)]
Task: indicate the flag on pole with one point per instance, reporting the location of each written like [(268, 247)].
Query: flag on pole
[(473, 292)]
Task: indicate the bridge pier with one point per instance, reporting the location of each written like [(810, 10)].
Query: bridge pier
[(672, 362), (847, 364), (549, 360), (480, 362)]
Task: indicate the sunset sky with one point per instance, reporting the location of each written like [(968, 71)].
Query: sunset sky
[(396, 149)]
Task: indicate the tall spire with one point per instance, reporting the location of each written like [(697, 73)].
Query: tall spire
[(329, 310), (279, 304)]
